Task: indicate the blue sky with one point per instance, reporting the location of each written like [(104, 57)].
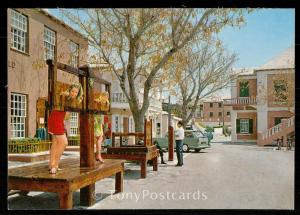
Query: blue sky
[(267, 33)]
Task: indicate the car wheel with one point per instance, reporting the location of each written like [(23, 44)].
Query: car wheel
[(197, 150), (185, 148)]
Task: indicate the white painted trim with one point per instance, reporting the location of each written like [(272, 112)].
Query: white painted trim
[(245, 141), (245, 111), (276, 71), (243, 77), (233, 126), (279, 109)]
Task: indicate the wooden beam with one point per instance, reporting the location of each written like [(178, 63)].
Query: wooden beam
[(67, 68), (118, 134), (99, 80)]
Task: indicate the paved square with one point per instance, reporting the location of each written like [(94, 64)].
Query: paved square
[(222, 177)]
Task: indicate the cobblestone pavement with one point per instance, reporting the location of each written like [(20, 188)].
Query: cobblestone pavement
[(225, 176)]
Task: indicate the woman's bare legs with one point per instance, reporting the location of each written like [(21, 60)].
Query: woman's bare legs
[(63, 142), (58, 146), (98, 149), (52, 152)]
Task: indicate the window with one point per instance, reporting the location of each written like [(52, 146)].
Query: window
[(277, 120), (157, 128), (49, 43), (119, 97), (74, 124), (228, 113), (244, 126), (131, 123), (244, 89), (201, 107), (211, 114), (106, 87), (220, 113), (211, 104), (74, 48), (18, 31), (280, 91), (220, 104), (18, 115), (188, 134), (116, 123)]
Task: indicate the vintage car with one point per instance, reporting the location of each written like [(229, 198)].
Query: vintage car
[(193, 139)]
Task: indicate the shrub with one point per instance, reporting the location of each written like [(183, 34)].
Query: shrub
[(24, 140), (209, 129)]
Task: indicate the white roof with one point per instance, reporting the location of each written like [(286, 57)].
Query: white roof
[(283, 61), (244, 71)]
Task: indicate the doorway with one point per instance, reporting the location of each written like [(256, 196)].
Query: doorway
[(125, 124)]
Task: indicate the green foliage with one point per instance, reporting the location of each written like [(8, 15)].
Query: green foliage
[(24, 140), (209, 129), (218, 126), (73, 137), (28, 145)]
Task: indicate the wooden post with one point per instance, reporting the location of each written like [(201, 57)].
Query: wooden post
[(50, 82), (113, 139), (87, 156), (171, 133), (143, 168), (87, 195), (147, 133), (52, 79), (119, 181), (66, 200), (171, 143)]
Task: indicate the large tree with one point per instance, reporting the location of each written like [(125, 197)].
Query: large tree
[(139, 43), (207, 69)]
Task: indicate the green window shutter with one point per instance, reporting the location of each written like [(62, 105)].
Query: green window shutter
[(237, 126), (246, 94), (251, 126), (241, 92), (244, 89)]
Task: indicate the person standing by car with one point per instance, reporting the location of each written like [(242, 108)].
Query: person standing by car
[(179, 136), (210, 136)]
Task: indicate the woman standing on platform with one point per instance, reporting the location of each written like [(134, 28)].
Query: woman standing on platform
[(57, 129), (98, 132)]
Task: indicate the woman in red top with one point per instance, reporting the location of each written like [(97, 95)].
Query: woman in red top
[(57, 130)]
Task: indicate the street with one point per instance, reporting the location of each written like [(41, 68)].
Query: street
[(224, 176)]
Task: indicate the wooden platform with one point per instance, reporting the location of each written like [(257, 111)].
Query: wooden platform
[(134, 153), (72, 177), (34, 157)]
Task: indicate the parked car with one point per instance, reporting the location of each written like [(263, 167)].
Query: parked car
[(193, 139)]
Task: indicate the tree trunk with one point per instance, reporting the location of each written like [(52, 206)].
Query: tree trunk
[(138, 121), (184, 116)]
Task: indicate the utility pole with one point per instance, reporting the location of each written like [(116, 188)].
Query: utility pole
[(223, 118)]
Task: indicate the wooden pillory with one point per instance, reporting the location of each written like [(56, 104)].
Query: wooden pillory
[(76, 173), (135, 152)]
